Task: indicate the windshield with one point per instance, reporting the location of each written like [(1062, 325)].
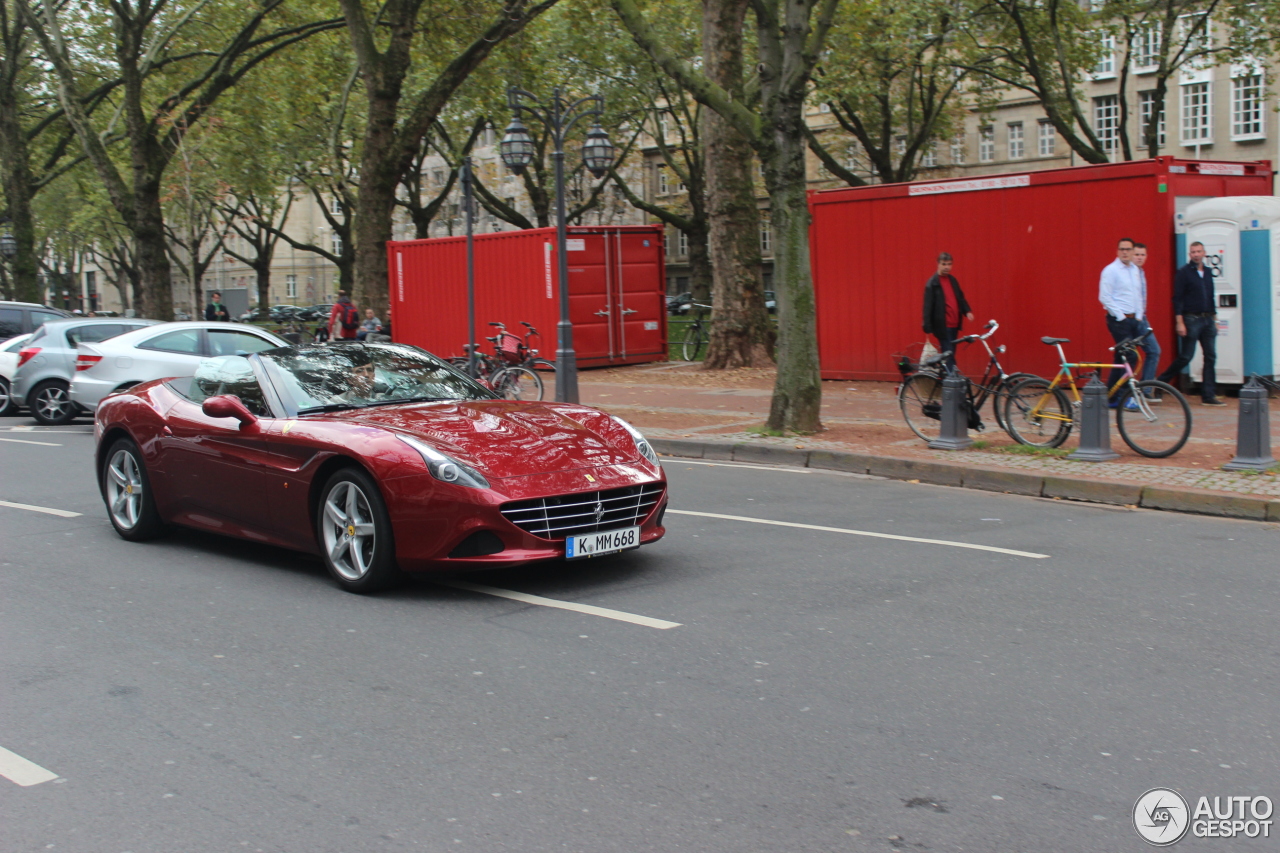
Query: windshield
[(342, 376)]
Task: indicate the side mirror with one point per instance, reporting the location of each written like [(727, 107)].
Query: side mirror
[(228, 406)]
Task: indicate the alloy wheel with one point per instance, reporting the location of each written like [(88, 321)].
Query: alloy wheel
[(53, 402), (124, 489), (349, 531)]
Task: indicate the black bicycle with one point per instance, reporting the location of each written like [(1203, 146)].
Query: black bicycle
[(696, 336), (920, 395)]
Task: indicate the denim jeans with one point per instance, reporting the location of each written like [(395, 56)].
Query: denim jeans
[(947, 343), (1204, 331), (1123, 330), (1151, 347)]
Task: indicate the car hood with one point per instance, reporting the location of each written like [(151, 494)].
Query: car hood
[(502, 438)]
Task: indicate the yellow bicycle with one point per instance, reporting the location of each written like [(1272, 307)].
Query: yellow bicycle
[(1155, 421)]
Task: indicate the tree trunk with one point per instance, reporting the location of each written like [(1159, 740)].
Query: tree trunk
[(797, 393), (700, 274), (155, 276), (741, 334), (17, 183)]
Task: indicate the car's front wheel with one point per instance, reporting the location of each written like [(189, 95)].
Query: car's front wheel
[(50, 403), (126, 489), (354, 530)]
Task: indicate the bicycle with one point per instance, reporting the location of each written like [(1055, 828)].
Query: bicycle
[(1155, 421), (510, 369), (695, 337), (920, 394)]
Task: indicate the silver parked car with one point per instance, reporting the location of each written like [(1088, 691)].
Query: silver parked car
[(175, 349), (47, 362), (8, 366)]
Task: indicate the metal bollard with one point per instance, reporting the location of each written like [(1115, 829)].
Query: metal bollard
[(955, 413), (1095, 425), (1253, 430)]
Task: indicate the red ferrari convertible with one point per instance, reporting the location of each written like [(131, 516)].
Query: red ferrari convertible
[(380, 458)]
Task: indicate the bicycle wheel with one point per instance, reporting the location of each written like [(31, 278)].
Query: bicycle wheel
[(518, 383), (1156, 428), (920, 399), (1000, 397), (1036, 417), (693, 343)]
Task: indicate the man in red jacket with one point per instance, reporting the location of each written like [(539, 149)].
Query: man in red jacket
[(344, 319)]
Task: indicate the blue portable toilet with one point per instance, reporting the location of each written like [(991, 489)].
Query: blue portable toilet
[(1241, 236)]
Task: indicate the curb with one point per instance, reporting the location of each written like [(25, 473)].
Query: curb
[(1197, 501)]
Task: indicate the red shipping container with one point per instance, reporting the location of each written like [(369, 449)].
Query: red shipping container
[(617, 288), (1029, 250)]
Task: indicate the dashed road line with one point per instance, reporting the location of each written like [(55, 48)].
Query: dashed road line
[(24, 441), (590, 609), (871, 533), (61, 513), (22, 772)]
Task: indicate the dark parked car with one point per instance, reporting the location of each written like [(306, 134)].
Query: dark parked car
[(19, 318), (680, 303), (770, 302)]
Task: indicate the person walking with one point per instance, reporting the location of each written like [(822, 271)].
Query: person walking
[(1121, 292), (944, 308), (1150, 346), (1195, 310), (344, 319), (215, 311)]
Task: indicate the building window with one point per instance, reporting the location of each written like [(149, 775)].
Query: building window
[(1197, 114), (335, 243), (664, 185), (335, 205), (1146, 106), (1017, 143), (900, 145), (291, 286), (986, 144), (957, 150), (1246, 107), (682, 244), (438, 177), (1146, 48), (1202, 40), (824, 107), (766, 238), (929, 158), (1106, 122), (1046, 138), (1106, 66)]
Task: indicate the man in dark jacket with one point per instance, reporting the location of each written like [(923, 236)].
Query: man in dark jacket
[(215, 311), (944, 308), (1195, 310)]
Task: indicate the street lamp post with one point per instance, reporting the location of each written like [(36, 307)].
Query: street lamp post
[(558, 116), (473, 368)]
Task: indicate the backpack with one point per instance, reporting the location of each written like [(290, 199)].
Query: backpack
[(350, 317)]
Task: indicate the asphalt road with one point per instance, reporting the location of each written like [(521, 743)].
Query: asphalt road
[(823, 691)]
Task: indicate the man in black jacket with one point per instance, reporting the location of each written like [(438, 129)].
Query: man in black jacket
[(1195, 310), (215, 310), (944, 306)]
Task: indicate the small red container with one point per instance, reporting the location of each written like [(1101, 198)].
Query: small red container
[(1029, 249), (617, 287)]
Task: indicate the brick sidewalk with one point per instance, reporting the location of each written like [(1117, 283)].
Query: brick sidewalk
[(677, 400)]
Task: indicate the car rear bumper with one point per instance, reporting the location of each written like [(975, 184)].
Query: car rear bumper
[(87, 391)]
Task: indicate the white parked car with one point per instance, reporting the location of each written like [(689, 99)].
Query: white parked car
[(8, 364), (158, 352)]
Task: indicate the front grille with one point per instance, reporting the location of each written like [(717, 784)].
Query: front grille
[(586, 512)]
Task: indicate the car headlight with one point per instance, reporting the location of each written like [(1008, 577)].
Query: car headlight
[(445, 468), (642, 443)]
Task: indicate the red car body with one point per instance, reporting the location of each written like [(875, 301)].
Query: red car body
[(260, 480)]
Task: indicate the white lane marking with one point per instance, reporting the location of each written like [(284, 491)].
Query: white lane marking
[(590, 609), (18, 770), (61, 513), (1030, 554), (24, 441)]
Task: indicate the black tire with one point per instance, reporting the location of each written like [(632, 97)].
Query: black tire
[(50, 403), (1156, 429), (1032, 419), (353, 531), (519, 383), (920, 399), (126, 490), (7, 404), (693, 343), (1000, 397)]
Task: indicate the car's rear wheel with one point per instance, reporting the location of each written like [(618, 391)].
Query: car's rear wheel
[(126, 489), (354, 530), (7, 406), (50, 403)]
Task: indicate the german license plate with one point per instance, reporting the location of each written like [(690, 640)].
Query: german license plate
[(604, 542)]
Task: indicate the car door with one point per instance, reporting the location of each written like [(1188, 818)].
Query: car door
[(173, 353), (216, 467)]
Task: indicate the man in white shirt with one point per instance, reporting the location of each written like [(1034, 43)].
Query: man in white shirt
[(1122, 292)]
